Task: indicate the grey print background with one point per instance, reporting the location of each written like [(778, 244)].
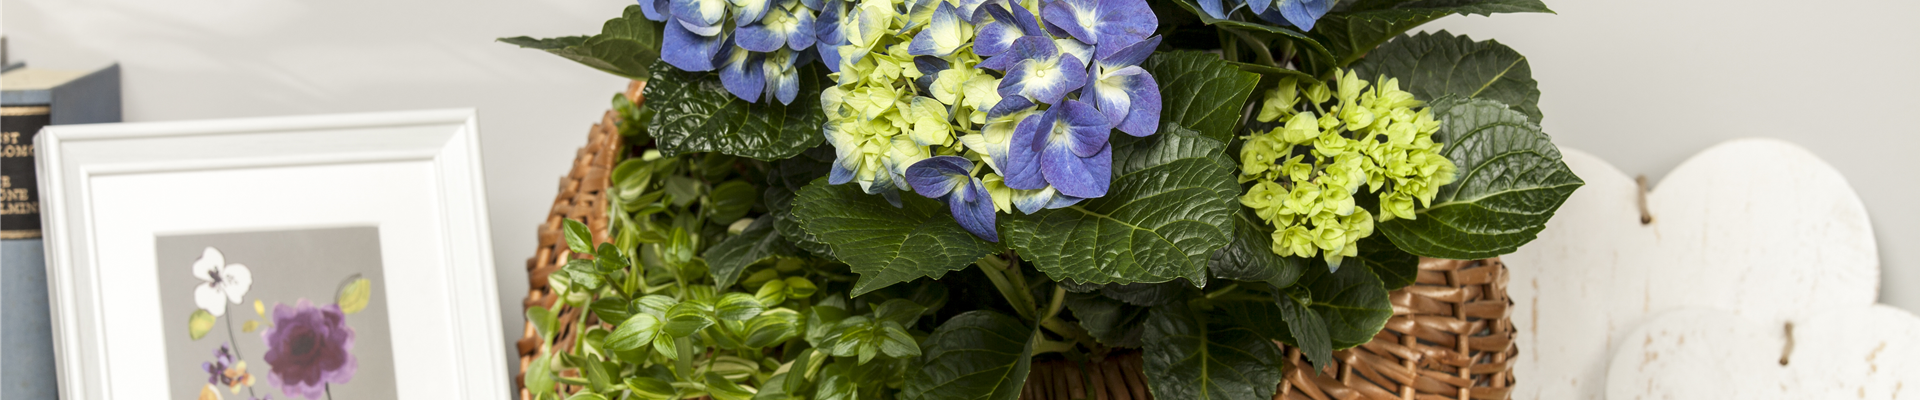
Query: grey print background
[(286, 266)]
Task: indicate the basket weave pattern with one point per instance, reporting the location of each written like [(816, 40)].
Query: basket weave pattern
[(1450, 336)]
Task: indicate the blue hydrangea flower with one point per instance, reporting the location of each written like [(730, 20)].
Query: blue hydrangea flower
[(789, 25), (1295, 13), (997, 36), (1065, 148), (951, 178), (741, 72), (760, 56), (1037, 70), (1098, 22), (1123, 91)]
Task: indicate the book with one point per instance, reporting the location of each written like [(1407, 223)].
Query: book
[(32, 98)]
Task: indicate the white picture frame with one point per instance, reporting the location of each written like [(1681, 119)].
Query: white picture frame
[(108, 189)]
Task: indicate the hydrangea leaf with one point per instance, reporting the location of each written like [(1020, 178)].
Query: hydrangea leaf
[(886, 244), (732, 255), (1434, 65), (626, 46), (1511, 181), (1250, 256), (1201, 92), (1189, 358), (1169, 207), (783, 182), (977, 355), (695, 113), (1407, 9), (1396, 268), (1114, 323), (1352, 301), (1362, 26)]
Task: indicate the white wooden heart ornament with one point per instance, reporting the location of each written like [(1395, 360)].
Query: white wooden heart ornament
[(1760, 228), (1870, 352)]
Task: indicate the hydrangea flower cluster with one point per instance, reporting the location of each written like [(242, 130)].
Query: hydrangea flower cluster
[(1295, 13), (990, 105), (757, 45), (1307, 171)]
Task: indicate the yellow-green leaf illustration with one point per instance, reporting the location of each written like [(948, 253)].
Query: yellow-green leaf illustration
[(259, 308), (199, 324), (354, 294), (250, 326)]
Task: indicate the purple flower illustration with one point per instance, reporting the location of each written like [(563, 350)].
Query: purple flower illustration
[(307, 348)]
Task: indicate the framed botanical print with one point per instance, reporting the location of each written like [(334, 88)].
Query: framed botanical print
[(316, 257)]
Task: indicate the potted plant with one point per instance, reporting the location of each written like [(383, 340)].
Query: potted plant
[(830, 199)]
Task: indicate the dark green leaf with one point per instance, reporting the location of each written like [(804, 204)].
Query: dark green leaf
[(884, 244), (723, 389), (655, 305), (686, 318), (821, 320), (1362, 26), (579, 238), (1170, 206), (1352, 301), (608, 259), (1112, 322), (1250, 256), (760, 242), (1199, 91), (1435, 65), (1148, 294), (626, 46), (1306, 330), (1396, 268), (693, 112), (1511, 179), (1187, 358), (772, 328), (784, 181), (612, 310), (836, 383), (977, 355), (650, 388), (900, 311)]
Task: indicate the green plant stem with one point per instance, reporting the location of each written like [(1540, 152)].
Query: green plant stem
[(1223, 291), (1258, 46), (1048, 346), (1013, 288)]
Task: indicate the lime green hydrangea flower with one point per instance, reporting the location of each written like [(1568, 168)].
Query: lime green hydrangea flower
[(1332, 142)]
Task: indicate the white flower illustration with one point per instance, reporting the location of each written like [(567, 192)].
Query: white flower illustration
[(224, 282)]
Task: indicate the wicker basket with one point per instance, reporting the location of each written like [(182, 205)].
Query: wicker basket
[(1450, 336)]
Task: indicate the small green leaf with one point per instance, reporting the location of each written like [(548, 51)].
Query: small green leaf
[(695, 113), (579, 239), (1436, 65), (737, 307), (1250, 256), (1511, 181), (1307, 329), (543, 321), (896, 342), (886, 244), (354, 294), (199, 323), (779, 386), (1170, 206), (901, 311), (585, 395), (679, 249), (651, 388), (977, 355), (723, 389), (539, 374), (635, 332), (731, 201), (612, 310), (599, 379), (800, 288), (607, 259), (836, 383), (760, 242), (686, 318), (772, 327), (626, 46), (1352, 301), (1199, 91), (655, 305), (821, 320), (1188, 358)]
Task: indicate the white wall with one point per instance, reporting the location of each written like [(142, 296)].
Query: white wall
[(1646, 83), (194, 59), (1642, 83)]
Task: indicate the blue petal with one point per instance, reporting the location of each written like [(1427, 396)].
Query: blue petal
[(783, 82), (1116, 57), (1129, 18), (687, 51), (1304, 13), (997, 36), (743, 74), (697, 15), (1023, 154), (802, 36), (1075, 17), (972, 207), (840, 174), (651, 9), (1009, 105), (930, 68), (1109, 95), (759, 37), (970, 10), (937, 176), (1213, 8), (750, 11), (945, 34), (1044, 81), (1080, 51), (1083, 128), (827, 34), (1072, 175), (1024, 48), (1143, 113), (1258, 6), (1062, 201)]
